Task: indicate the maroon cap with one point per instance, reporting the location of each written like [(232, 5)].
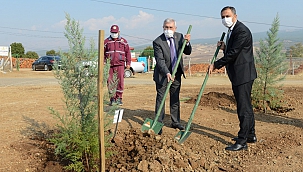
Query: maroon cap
[(114, 29)]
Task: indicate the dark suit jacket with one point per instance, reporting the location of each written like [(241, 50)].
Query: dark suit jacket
[(238, 56), (162, 56)]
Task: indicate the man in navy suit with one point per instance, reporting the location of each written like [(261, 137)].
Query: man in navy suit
[(239, 61), (166, 47)]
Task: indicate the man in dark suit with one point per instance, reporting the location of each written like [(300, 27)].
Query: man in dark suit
[(166, 49), (239, 61)]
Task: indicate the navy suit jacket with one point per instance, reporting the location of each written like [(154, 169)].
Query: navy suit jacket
[(238, 56), (162, 56)]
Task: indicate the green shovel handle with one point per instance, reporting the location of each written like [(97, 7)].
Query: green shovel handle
[(180, 54), (203, 86)]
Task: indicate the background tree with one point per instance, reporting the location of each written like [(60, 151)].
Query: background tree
[(147, 52), (17, 48), (77, 140), (31, 55), (297, 50), (51, 53), (271, 70)]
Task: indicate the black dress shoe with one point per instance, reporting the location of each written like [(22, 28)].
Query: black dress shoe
[(249, 139), (179, 126), (252, 140), (236, 147)]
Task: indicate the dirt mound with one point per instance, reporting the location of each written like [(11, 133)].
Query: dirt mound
[(149, 152), (213, 99), (136, 151)]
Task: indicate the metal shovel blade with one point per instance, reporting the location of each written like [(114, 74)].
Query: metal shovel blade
[(182, 136), (149, 124)]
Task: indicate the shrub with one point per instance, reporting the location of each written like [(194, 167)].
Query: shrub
[(77, 138)]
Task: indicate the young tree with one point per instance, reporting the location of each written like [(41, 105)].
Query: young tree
[(271, 70), (31, 55), (77, 139), (297, 50), (51, 53), (147, 52), (17, 48)]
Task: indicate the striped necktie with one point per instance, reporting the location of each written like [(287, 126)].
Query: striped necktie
[(173, 57)]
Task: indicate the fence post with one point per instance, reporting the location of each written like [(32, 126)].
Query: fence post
[(17, 61), (100, 101), (148, 63)]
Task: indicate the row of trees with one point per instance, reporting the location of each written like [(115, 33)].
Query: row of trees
[(18, 50)]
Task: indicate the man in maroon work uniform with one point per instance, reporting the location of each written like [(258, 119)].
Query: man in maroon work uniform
[(117, 50)]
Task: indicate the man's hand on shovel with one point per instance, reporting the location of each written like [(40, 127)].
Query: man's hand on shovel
[(169, 78), (168, 75), (211, 68), (187, 37)]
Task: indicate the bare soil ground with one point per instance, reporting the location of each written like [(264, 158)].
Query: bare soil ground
[(25, 123)]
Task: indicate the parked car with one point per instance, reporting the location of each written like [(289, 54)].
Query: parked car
[(46, 63), (135, 67)]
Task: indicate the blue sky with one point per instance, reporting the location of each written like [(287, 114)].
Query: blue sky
[(39, 24)]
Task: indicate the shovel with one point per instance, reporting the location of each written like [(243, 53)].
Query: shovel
[(183, 135), (155, 125)]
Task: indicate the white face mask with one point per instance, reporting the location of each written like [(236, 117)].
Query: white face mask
[(168, 33), (227, 22), (114, 35)]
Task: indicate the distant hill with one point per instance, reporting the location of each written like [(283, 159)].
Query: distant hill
[(289, 38), (293, 36)]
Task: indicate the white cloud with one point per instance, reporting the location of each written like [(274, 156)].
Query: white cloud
[(203, 28), (38, 28), (139, 21), (96, 24), (208, 22), (60, 25)]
